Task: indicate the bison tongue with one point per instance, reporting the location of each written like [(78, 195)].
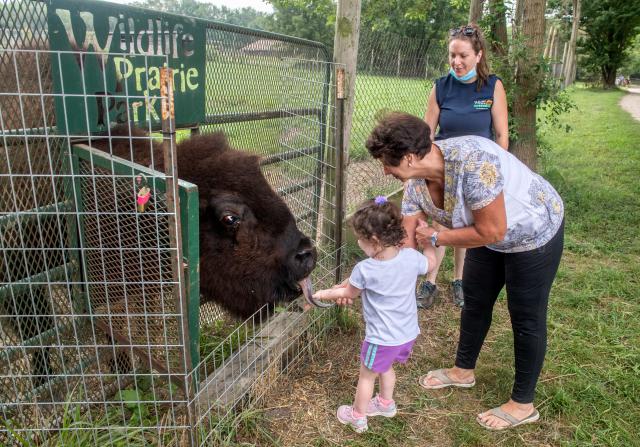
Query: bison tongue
[(305, 285)]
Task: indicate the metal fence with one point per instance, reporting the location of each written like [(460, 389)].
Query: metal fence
[(268, 349), (91, 294), (393, 73), (98, 342)]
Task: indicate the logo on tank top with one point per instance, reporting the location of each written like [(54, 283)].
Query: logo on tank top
[(482, 104)]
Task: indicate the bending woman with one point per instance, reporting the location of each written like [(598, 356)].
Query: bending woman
[(511, 222)]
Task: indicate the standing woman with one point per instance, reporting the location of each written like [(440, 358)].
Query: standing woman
[(468, 101)]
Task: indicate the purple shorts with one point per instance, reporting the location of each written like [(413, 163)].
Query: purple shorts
[(380, 358)]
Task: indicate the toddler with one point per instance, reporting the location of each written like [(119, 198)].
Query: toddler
[(387, 283)]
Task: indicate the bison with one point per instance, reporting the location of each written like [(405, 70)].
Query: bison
[(251, 251)]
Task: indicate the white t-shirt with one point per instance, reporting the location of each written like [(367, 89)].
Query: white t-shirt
[(389, 296), (476, 171)]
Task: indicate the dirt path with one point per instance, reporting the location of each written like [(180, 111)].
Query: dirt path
[(631, 102)]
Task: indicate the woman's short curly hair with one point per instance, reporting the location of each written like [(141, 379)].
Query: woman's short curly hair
[(398, 134), (383, 221)]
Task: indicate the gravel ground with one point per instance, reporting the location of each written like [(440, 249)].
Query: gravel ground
[(631, 102)]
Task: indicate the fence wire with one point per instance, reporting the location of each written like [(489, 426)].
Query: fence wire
[(89, 303), (394, 73), (92, 347), (303, 172)]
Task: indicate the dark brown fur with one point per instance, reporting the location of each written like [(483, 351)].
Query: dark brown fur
[(251, 252)]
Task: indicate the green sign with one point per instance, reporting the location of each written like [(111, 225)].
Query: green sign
[(106, 61)]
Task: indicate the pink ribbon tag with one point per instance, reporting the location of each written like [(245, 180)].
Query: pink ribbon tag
[(142, 198)]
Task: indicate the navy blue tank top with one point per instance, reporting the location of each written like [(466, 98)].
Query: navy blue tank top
[(463, 110)]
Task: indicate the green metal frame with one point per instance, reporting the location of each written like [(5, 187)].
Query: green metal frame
[(190, 227)]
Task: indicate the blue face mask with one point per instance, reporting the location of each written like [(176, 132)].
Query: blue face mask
[(470, 75)]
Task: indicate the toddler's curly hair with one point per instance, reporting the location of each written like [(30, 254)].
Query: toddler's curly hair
[(383, 221)]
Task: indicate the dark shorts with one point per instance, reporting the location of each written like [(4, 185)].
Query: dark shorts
[(380, 358)]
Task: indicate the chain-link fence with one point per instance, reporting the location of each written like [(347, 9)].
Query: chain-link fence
[(100, 342), (304, 173), (393, 73)]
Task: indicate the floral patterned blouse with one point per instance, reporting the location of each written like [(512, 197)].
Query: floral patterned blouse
[(477, 170)]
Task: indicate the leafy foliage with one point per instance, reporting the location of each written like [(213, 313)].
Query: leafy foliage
[(423, 19), (549, 95), (247, 17), (610, 27), (313, 20), (631, 64)]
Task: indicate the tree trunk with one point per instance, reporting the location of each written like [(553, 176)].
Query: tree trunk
[(517, 19), (475, 11), (570, 64), (345, 51), (557, 56), (527, 79), (552, 53), (609, 76), (499, 44)]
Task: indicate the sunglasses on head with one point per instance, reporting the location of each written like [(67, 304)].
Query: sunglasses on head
[(464, 30)]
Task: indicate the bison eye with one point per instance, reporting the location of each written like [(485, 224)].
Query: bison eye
[(230, 220)]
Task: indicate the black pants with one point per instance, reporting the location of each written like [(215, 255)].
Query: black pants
[(528, 277)]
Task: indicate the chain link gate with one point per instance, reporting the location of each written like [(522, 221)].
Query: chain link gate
[(394, 73), (100, 330)]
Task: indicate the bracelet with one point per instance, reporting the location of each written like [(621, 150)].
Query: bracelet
[(434, 239)]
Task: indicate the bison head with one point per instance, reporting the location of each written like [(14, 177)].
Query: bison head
[(251, 251)]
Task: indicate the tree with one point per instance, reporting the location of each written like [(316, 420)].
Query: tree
[(569, 68), (424, 23), (475, 11), (313, 20), (520, 64), (247, 17), (528, 79), (420, 19), (610, 27), (631, 66)]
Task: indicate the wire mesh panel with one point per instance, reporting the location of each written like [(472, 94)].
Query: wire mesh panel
[(239, 371), (95, 346), (243, 84), (394, 73), (90, 311), (244, 100)]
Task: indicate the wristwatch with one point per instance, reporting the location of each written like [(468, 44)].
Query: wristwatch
[(434, 239)]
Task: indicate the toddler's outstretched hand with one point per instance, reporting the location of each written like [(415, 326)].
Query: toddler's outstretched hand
[(335, 293), (341, 285)]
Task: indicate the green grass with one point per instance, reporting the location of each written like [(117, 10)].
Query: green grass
[(377, 94), (236, 85), (594, 330), (237, 89), (222, 337)]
